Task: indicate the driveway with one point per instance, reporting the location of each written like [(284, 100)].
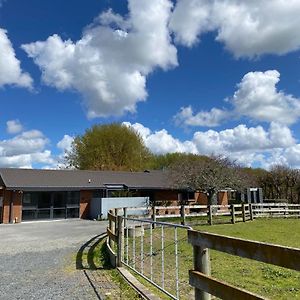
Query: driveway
[(38, 260)]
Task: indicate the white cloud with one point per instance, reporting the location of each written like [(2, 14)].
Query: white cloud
[(256, 98), (109, 66), (13, 126), (211, 118), (247, 28), (10, 69), (250, 146), (242, 138), (161, 142), (65, 144), (25, 149)]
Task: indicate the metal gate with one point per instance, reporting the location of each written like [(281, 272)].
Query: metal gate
[(152, 250)]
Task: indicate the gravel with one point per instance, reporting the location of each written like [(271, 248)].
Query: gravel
[(38, 260)]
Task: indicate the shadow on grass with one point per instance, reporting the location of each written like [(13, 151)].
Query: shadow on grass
[(93, 256), (90, 258)]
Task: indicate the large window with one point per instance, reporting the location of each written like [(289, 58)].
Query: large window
[(50, 205)]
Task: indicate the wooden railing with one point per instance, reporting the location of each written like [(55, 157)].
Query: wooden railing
[(205, 285), (276, 210), (237, 212)]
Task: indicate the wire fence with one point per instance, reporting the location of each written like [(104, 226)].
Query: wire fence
[(153, 250)]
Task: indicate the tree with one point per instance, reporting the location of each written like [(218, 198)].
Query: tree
[(108, 147), (208, 175), (164, 161)]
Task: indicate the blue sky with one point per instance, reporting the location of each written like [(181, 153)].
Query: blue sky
[(207, 77)]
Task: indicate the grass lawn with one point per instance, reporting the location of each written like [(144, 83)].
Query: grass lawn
[(264, 279)]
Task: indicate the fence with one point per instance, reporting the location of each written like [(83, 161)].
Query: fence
[(276, 210), (209, 213), (217, 213), (145, 245), (205, 284)]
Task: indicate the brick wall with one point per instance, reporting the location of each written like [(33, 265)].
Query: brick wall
[(85, 199), (17, 206), (223, 198), (6, 206), (201, 198), (16, 214)]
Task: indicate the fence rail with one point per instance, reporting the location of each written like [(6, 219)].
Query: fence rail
[(205, 284), (144, 244), (238, 212)]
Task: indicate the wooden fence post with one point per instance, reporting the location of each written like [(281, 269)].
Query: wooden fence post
[(201, 264), (111, 227), (125, 216), (120, 235), (251, 211), (182, 213), (243, 212), (210, 217), (116, 223), (232, 213), (153, 216)]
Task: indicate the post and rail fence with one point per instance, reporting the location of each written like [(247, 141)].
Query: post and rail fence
[(214, 213), (143, 245)]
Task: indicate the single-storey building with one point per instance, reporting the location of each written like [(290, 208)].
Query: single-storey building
[(28, 194)]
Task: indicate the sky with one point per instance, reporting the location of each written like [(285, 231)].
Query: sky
[(207, 77)]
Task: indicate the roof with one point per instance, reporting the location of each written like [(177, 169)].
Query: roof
[(35, 179)]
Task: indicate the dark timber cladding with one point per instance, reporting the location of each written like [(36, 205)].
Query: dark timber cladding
[(28, 194)]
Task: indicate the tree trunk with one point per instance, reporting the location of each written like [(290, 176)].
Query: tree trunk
[(212, 197)]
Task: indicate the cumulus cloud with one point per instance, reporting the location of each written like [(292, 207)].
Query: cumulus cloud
[(256, 97), (242, 138), (247, 28), (25, 149), (65, 144), (110, 63), (10, 69), (161, 142), (211, 118), (250, 146), (13, 126)]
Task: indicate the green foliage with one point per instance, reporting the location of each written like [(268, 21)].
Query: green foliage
[(164, 161), (109, 147)]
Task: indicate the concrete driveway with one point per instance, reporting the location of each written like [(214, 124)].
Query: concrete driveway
[(38, 260)]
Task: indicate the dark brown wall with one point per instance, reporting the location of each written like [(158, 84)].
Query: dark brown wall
[(166, 196)]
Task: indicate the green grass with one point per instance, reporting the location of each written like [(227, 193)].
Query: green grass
[(264, 279)]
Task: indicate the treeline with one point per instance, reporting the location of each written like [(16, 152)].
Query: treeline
[(120, 148), (280, 182)]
